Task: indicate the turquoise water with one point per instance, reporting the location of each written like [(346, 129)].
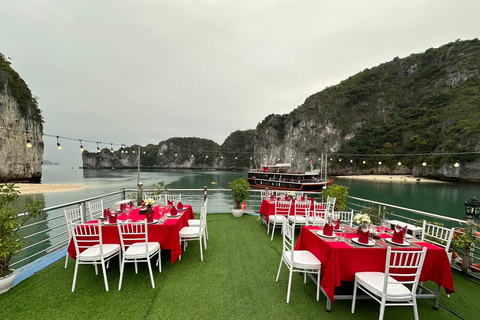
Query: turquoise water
[(441, 198)]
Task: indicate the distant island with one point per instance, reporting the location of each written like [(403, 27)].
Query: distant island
[(49, 163)]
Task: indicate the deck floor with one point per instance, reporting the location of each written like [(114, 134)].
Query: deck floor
[(236, 280)]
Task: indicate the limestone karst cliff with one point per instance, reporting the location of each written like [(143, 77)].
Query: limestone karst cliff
[(421, 111), (422, 108), (20, 119)]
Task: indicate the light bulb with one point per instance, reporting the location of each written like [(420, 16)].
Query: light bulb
[(29, 144), (59, 147), (364, 162), (379, 162), (456, 165), (81, 149), (424, 163), (399, 163)]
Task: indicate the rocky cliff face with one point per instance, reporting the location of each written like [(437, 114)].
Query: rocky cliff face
[(19, 114), (423, 108), (192, 153)]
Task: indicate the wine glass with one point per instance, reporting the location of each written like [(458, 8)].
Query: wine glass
[(383, 224)]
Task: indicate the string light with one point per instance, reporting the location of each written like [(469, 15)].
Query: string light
[(236, 158), (98, 148), (351, 161), (191, 156), (424, 164), (111, 147), (133, 151), (340, 160), (379, 162), (143, 152), (399, 163), (161, 153), (364, 162), (206, 157), (175, 154), (59, 147), (221, 157), (28, 144), (81, 145), (456, 164)]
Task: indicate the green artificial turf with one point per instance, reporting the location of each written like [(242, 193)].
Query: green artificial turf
[(236, 280)]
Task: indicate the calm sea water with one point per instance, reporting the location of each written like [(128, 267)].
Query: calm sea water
[(441, 198)]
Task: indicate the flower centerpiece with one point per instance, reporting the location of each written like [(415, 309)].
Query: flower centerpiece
[(362, 219), (149, 202), (292, 195)]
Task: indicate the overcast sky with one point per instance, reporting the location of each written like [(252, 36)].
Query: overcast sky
[(139, 72)]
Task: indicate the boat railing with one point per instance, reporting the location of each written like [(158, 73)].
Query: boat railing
[(48, 234)]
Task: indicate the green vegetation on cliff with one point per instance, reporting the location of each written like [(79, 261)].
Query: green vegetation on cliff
[(18, 88)]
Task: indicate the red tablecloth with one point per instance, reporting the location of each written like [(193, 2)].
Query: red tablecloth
[(166, 234), (267, 208), (340, 260)]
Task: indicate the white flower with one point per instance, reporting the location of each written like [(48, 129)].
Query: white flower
[(361, 218), (149, 202), (292, 194)]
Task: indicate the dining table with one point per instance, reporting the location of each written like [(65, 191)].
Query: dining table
[(164, 229), (341, 258)]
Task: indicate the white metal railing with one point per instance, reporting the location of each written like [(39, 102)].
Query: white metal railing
[(50, 234)]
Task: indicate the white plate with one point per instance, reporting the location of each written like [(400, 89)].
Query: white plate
[(111, 224), (154, 221), (169, 215), (320, 233), (404, 244), (182, 210), (370, 243)]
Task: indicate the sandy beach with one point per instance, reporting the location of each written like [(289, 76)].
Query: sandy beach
[(391, 178), (31, 188)]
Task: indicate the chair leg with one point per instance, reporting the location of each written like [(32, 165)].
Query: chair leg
[(121, 275), (136, 267), (96, 269), (289, 284), (75, 275), (318, 285), (204, 240), (268, 227), (66, 260), (151, 273), (273, 231), (382, 309), (279, 268), (415, 310), (304, 277), (105, 275), (159, 261), (354, 298), (201, 251)]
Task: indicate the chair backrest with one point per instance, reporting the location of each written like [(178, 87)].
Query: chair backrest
[(317, 214), (302, 208), (86, 235), (203, 218), (73, 216), (264, 194), (344, 216), (404, 266), (282, 207), (133, 232), (173, 197), (288, 230), (281, 194), (437, 235), (95, 208), (158, 199), (330, 207)]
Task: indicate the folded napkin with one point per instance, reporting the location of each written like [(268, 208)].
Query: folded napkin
[(170, 203), (336, 224), (180, 206), (398, 236), (303, 198), (143, 203), (363, 236), (272, 197), (106, 213), (173, 211), (112, 218), (149, 217), (287, 197), (327, 229), (312, 200), (122, 206)]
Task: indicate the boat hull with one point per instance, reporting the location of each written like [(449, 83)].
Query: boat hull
[(287, 186)]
